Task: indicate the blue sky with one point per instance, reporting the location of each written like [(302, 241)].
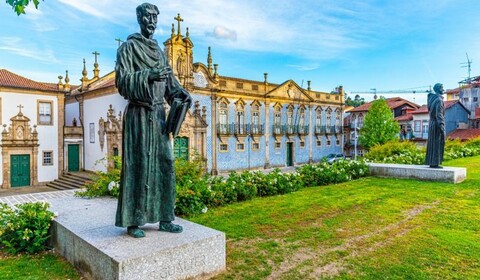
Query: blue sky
[(387, 45)]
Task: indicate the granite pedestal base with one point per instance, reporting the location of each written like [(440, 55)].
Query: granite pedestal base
[(84, 233), (420, 172)]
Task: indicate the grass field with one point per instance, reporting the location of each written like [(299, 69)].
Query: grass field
[(370, 228), (365, 229)]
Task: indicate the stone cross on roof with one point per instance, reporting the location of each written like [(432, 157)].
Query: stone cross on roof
[(179, 19), (96, 54)]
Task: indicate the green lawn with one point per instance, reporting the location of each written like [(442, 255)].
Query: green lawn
[(369, 229), (36, 267)]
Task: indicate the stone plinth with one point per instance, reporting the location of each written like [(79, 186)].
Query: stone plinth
[(84, 233), (420, 172)]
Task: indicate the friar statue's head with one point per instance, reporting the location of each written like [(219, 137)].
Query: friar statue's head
[(147, 19), (438, 88)]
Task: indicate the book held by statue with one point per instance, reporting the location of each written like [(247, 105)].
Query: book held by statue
[(176, 116)]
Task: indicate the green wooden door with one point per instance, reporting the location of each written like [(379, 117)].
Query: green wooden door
[(73, 157), (20, 170), (289, 154), (180, 147)]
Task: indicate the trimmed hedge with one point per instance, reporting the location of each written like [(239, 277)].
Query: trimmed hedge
[(196, 192)]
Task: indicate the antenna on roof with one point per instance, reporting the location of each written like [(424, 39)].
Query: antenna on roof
[(468, 65)]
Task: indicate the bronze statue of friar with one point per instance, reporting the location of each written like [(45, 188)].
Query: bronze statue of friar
[(145, 79)]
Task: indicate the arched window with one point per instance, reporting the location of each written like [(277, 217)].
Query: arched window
[(277, 120), (329, 119), (255, 118), (240, 117), (301, 121), (360, 120), (223, 117), (290, 128), (338, 120), (318, 120)]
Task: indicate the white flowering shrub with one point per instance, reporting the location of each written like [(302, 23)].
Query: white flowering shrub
[(25, 228)]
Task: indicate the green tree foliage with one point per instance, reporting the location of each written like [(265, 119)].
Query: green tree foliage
[(19, 5), (379, 126), (357, 101)]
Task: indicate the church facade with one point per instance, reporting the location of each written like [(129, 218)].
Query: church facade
[(234, 124)]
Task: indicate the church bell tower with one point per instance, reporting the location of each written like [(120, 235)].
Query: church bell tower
[(178, 50)]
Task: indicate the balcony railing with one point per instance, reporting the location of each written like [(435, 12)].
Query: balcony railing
[(338, 129), (290, 129), (240, 130), (329, 129), (302, 129), (278, 129), (320, 130)]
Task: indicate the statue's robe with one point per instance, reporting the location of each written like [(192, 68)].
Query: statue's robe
[(147, 184), (436, 130)]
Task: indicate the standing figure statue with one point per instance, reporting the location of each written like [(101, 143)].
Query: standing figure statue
[(144, 78), (436, 127)]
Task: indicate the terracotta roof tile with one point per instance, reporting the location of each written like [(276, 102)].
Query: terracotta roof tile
[(422, 110), (403, 118), (9, 79), (465, 134), (393, 102)]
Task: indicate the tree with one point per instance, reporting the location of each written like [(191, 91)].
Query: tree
[(357, 101), (19, 5), (379, 125)]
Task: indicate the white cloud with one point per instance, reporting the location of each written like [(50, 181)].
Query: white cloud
[(221, 32)]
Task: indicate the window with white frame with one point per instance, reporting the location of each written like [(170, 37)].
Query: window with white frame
[(255, 118), (338, 118), (47, 158), (223, 147), (277, 121), (290, 119), (328, 116), (301, 121), (240, 147), (240, 118), (255, 146), (318, 120), (223, 117), (45, 114), (360, 120), (417, 126), (278, 145)]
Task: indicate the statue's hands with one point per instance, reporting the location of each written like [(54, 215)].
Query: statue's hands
[(186, 97), (159, 74)]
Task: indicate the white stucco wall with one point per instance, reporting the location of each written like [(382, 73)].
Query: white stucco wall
[(93, 110), (47, 134)]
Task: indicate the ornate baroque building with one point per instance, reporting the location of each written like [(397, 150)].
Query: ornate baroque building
[(31, 141), (234, 124)]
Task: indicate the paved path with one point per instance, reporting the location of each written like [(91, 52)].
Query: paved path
[(34, 197)]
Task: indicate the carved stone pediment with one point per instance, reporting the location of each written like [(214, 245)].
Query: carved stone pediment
[(19, 133)]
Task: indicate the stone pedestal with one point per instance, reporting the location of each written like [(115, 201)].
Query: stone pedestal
[(420, 172), (84, 233)]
